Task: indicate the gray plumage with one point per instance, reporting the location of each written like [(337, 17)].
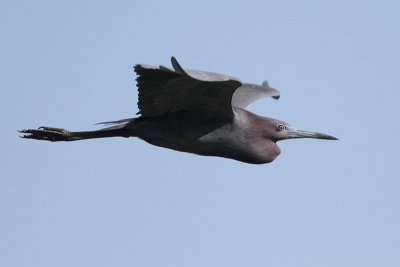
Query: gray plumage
[(198, 112)]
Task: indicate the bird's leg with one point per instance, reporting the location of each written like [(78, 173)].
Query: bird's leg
[(48, 134), (58, 134)]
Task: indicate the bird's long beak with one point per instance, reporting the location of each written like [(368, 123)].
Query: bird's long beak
[(294, 133)]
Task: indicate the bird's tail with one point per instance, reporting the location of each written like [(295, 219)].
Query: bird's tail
[(117, 129)]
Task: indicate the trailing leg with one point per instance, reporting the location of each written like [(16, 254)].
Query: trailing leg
[(58, 134)]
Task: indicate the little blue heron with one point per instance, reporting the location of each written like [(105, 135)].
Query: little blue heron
[(198, 112)]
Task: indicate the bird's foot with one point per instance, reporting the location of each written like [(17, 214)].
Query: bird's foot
[(46, 133)]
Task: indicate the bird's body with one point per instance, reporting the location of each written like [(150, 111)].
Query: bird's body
[(230, 139), (197, 112)]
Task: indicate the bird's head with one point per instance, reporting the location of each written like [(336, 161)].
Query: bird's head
[(277, 130)]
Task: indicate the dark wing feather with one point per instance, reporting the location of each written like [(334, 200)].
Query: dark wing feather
[(163, 91)]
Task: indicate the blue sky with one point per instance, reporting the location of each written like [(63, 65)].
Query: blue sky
[(122, 202)]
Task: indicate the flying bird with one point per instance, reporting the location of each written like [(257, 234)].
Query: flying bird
[(198, 112)]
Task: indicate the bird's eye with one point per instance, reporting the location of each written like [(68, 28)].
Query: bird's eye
[(280, 127)]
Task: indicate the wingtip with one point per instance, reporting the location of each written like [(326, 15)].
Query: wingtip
[(177, 67), (174, 61), (275, 94)]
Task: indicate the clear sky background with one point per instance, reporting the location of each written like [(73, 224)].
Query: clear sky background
[(122, 202)]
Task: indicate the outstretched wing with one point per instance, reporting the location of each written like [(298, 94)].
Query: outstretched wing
[(248, 93), (163, 91)]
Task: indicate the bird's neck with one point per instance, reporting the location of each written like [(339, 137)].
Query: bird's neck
[(259, 145)]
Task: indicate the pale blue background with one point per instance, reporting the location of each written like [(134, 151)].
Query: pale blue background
[(122, 202)]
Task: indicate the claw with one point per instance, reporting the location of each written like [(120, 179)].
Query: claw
[(46, 133)]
